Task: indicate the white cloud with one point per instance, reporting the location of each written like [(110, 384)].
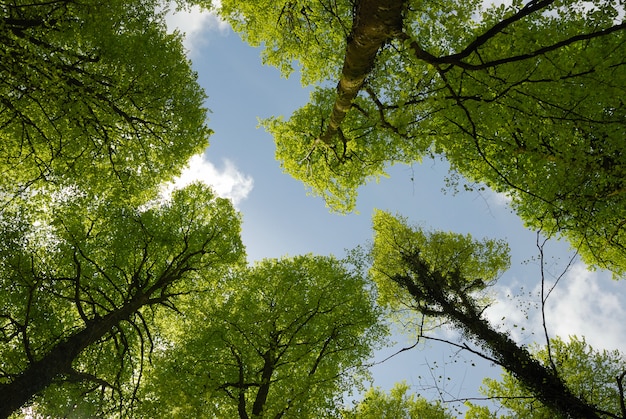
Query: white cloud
[(500, 199), (515, 311), (583, 303), (227, 182), (589, 305), (195, 23)]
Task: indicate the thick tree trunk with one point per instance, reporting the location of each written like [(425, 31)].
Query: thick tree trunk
[(58, 361), (375, 22), (543, 382), (264, 389)]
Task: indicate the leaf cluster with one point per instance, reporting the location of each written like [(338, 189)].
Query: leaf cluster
[(523, 97), (397, 404), (452, 256), (81, 261), (594, 375)]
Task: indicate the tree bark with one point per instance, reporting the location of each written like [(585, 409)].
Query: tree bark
[(543, 382), (375, 22), (266, 379), (58, 361), (452, 301)]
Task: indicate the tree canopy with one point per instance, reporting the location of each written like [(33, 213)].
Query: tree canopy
[(436, 272), (290, 336), (479, 263), (106, 104), (396, 404), (118, 302), (511, 95), (98, 107), (81, 284)]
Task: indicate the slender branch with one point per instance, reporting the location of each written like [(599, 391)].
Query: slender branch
[(436, 287), (544, 298), (543, 50), (398, 352), (531, 7), (456, 59)]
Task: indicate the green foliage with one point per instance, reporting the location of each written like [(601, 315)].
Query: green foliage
[(397, 404), (525, 98), (479, 262), (441, 276), (559, 155), (288, 338), (589, 373), (106, 104), (98, 106), (335, 170), (76, 261), (311, 34)]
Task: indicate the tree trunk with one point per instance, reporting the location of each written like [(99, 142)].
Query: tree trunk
[(543, 382), (375, 22), (264, 389)]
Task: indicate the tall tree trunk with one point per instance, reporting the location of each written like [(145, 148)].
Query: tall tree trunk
[(58, 361), (374, 23), (542, 381), (454, 303)]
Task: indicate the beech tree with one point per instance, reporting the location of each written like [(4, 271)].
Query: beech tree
[(82, 282), (94, 94), (525, 97), (290, 336), (441, 276)]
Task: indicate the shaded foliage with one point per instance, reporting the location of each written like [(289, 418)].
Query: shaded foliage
[(450, 292), (397, 404), (104, 103), (597, 375)]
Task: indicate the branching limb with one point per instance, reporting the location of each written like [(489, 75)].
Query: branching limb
[(434, 286)]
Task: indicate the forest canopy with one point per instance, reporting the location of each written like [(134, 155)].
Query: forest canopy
[(121, 300), (509, 94)]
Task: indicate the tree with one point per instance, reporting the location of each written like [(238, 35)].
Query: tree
[(396, 404), (524, 98), (598, 375), (98, 106), (104, 103), (442, 275), (290, 336), (83, 281)]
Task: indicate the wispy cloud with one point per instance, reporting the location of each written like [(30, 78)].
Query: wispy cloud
[(195, 23), (499, 199), (584, 303), (589, 305), (227, 182)]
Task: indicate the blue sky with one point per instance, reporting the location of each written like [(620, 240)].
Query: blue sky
[(280, 219)]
